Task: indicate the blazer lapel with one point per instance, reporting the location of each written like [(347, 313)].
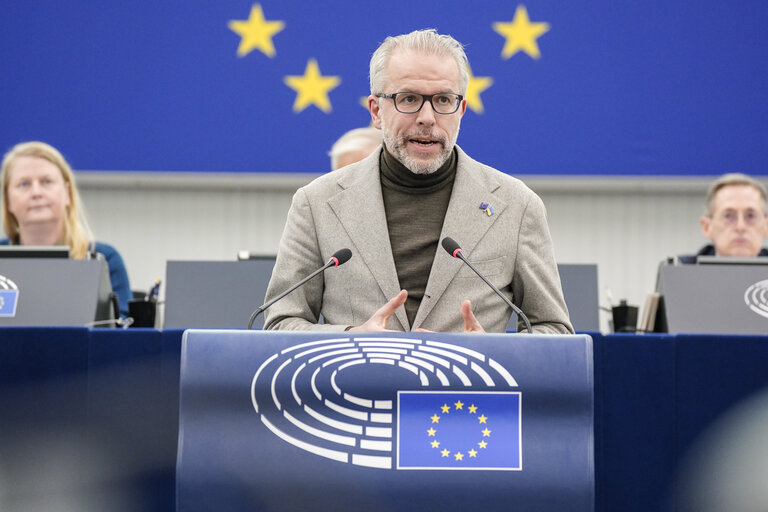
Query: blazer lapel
[(360, 209), (466, 223)]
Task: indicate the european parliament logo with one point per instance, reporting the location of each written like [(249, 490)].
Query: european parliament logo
[(449, 407), (756, 298), (9, 296)]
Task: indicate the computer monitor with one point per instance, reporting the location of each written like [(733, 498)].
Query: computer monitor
[(713, 298), (730, 260), (54, 292), (215, 294), (34, 251)]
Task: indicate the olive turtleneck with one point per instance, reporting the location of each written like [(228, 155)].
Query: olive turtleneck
[(415, 206)]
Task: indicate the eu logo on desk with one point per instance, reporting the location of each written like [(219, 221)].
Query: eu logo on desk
[(459, 430), (9, 296), (437, 406)]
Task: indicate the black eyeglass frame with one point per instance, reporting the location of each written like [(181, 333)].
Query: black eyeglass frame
[(424, 98)]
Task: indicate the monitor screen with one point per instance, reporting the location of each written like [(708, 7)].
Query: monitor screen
[(730, 260), (34, 251)]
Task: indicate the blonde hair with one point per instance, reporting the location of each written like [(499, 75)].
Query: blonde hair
[(77, 234)]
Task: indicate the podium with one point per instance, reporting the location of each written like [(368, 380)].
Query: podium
[(54, 292), (284, 421)]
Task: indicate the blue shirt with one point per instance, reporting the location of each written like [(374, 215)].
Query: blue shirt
[(118, 276)]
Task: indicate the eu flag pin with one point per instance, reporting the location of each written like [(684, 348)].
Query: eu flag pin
[(487, 208)]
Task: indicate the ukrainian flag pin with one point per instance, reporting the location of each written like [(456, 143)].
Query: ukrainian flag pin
[(487, 208)]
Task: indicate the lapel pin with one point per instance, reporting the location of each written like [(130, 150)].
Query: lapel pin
[(487, 208)]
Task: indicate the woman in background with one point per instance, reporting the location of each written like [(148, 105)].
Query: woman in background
[(41, 206)]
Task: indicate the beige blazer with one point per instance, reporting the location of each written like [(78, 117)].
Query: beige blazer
[(344, 209)]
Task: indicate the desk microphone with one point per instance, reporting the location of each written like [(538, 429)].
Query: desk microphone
[(339, 258), (450, 245)]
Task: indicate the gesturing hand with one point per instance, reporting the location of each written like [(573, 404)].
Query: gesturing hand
[(379, 320), (470, 322)]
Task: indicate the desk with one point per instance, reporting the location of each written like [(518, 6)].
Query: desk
[(654, 395), (88, 418)]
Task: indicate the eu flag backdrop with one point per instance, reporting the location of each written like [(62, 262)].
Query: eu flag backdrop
[(565, 87)]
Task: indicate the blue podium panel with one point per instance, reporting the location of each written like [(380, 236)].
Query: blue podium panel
[(636, 414), (285, 421)]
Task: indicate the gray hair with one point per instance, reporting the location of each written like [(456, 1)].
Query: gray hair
[(426, 41), (357, 139), (727, 180)]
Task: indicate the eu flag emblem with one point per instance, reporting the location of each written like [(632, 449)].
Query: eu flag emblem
[(8, 300), (459, 430)]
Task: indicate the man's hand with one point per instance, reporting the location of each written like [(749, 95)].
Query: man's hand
[(378, 322), (470, 322)]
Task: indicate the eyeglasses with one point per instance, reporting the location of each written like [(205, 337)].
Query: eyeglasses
[(751, 217), (411, 102)]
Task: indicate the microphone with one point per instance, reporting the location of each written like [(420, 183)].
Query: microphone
[(340, 257), (453, 248)]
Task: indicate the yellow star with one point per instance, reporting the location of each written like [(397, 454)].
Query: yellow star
[(364, 102), (476, 85), (472, 409), (435, 444), (459, 405), (256, 32), (435, 419), (431, 432), (445, 409), (520, 34), (312, 88), (445, 453), (459, 456), (482, 444), (486, 432), (472, 453), (482, 418)]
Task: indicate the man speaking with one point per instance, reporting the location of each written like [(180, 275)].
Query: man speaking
[(394, 207)]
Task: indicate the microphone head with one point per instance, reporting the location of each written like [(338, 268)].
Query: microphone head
[(341, 256), (450, 245)]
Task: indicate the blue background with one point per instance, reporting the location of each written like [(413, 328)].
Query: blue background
[(651, 87)]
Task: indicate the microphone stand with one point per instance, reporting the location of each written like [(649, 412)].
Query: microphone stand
[(498, 292), (331, 263)]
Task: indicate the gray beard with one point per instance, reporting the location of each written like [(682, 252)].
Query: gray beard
[(396, 147)]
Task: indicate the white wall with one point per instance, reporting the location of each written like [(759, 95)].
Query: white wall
[(625, 225)]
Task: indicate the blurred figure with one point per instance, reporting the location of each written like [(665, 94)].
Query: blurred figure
[(354, 145), (725, 469), (41, 206), (736, 220)]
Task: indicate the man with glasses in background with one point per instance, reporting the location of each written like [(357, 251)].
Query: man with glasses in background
[(394, 207), (736, 220)]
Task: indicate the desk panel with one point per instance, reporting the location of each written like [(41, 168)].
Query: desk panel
[(655, 396)]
